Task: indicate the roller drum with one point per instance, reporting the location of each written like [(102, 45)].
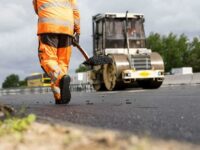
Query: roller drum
[(112, 73), (156, 61)]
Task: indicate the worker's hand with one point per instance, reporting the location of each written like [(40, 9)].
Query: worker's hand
[(75, 39)]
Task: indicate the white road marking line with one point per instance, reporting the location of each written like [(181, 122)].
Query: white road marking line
[(135, 91), (132, 91)]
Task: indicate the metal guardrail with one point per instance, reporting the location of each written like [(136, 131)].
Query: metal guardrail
[(16, 91), (190, 79), (86, 87)]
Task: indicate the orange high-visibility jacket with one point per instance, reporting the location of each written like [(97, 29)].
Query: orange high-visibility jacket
[(57, 16)]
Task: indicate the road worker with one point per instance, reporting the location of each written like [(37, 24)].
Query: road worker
[(58, 23)]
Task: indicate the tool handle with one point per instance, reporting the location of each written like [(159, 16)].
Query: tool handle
[(83, 52)]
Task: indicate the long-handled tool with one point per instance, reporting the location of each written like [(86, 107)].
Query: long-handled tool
[(95, 60)]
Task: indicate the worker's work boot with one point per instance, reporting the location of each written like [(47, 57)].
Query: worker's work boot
[(64, 90)]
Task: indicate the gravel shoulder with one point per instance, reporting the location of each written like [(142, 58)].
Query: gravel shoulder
[(45, 135)]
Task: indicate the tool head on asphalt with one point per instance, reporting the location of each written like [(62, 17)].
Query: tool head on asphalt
[(92, 61), (98, 60)]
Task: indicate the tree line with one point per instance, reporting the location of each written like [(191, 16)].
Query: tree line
[(177, 51), (13, 81)]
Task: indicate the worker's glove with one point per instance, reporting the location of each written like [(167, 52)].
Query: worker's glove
[(75, 39)]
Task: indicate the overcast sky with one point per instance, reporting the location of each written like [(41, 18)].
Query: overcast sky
[(18, 26)]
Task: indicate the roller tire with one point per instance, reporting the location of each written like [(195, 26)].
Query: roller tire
[(120, 86), (99, 87), (150, 84)]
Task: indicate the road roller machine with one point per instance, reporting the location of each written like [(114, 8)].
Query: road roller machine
[(121, 37)]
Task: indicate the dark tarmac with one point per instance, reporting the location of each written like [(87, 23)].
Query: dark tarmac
[(166, 113)]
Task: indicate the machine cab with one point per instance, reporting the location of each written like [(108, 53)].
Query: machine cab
[(117, 31)]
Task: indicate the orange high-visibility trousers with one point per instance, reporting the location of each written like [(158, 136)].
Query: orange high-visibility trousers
[(54, 55)]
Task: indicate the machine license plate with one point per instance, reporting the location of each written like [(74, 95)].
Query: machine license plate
[(144, 73)]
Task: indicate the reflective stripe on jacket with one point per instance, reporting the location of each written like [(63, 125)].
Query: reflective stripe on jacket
[(57, 16)]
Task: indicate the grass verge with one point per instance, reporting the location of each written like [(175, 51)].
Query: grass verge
[(12, 125)]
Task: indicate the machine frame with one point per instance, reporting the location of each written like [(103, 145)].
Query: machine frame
[(121, 36)]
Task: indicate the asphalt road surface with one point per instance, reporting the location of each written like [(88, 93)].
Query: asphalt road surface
[(167, 113)]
